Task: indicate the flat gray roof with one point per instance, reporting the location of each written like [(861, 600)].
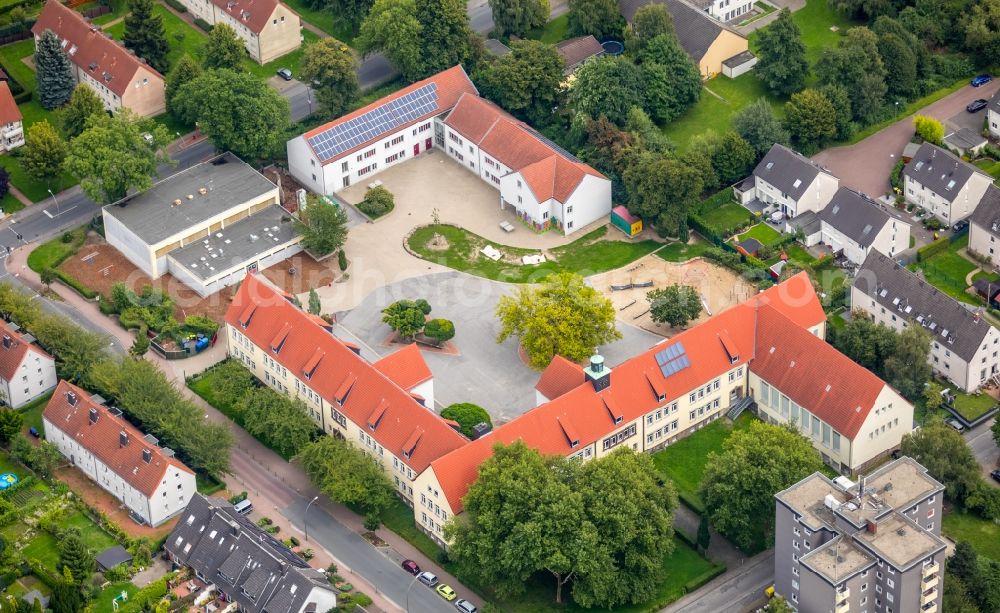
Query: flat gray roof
[(237, 244), (154, 216), (837, 559)]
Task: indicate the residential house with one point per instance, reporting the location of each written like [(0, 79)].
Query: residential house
[(268, 28), (546, 186), (943, 184), (984, 227), (708, 42), (789, 182), (993, 116), (11, 130), (146, 478), (964, 346), (206, 225), (26, 371), (854, 224), (117, 76), (244, 565), (575, 51), (874, 545), (725, 10)]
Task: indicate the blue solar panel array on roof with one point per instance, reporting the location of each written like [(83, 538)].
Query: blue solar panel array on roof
[(673, 359), (376, 122)]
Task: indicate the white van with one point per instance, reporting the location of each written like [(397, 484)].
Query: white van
[(243, 507)]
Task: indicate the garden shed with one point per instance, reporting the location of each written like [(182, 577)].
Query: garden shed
[(111, 557), (625, 221)]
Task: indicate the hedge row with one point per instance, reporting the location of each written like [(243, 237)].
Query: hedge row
[(72, 283), (704, 578), (177, 6), (147, 598), (690, 503), (204, 25), (701, 227), (938, 246)]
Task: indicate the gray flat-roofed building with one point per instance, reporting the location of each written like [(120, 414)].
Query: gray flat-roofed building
[(965, 141), (185, 208), (869, 545), (224, 257)]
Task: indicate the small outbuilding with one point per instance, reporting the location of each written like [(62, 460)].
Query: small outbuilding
[(988, 291), (965, 141), (111, 557), (625, 221), (749, 246)]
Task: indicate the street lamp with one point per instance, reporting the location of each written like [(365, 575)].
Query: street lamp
[(305, 516), (408, 592), (56, 201)]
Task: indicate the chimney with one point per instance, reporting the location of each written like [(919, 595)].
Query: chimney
[(871, 527), (93, 415), (147, 456), (7, 341), (123, 439), (597, 373)]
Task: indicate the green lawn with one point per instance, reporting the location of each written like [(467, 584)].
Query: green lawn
[(798, 254), (990, 166), (681, 252), (728, 217), (982, 534), (32, 412), (191, 41), (290, 61), (11, 56), (325, 19), (103, 600), (684, 462), (45, 548), (763, 233), (204, 386), (586, 255), (815, 20), (399, 518), (553, 32), (54, 252), (947, 271), (972, 406)]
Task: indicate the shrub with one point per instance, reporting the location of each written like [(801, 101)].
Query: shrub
[(378, 201), (440, 330), (362, 600), (238, 498), (342, 260), (895, 177), (177, 6), (467, 415), (204, 25), (933, 249)]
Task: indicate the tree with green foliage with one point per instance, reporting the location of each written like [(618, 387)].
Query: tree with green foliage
[(351, 10), (866, 342), (83, 104), (44, 152), (314, 304), (66, 598), (223, 49), (857, 65), (946, 456), (599, 18), (329, 67), (112, 157), (909, 368), (782, 64), (467, 415), (405, 317), (704, 535), (145, 34), (231, 381), (650, 21), (671, 80), (323, 226), (347, 474), (928, 128), (516, 17), (238, 111), (956, 597), (964, 562), (675, 305), (445, 34), (377, 202), (75, 556), (662, 189), (185, 70), (45, 458), (980, 29), (11, 422), (810, 118), (900, 66), (647, 134), (734, 159), (392, 28), (842, 113), (439, 330), (141, 343), (53, 72), (778, 605), (563, 317), (740, 482), (526, 82), (608, 86), (933, 397), (757, 125), (280, 422)]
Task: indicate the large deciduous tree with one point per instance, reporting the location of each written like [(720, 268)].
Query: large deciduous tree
[(868, 343), (392, 27), (857, 65), (44, 152), (352, 10), (649, 22), (782, 65), (346, 474), (599, 18), (445, 35), (467, 415), (112, 156), (662, 189), (734, 159), (946, 456), (757, 124), (608, 86), (563, 316), (811, 119), (900, 65), (842, 113), (406, 317), (280, 422), (329, 67), (145, 35), (82, 105), (525, 82), (238, 111), (671, 81), (740, 482), (908, 368), (10, 424), (186, 69), (323, 227), (53, 72), (224, 49), (516, 17), (980, 28), (675, 304)]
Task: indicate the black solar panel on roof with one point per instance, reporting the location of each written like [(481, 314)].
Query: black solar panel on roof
[(376, 122)]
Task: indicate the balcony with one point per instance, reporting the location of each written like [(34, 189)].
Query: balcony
[(929, 608), (930, 569), (843, 607), (843, 594), (928, 597), (928, 583)]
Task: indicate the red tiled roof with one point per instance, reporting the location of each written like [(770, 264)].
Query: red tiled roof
[(587, 416), (254, 14), (549, 173), (576, 50), (406, 367), (451, 84), (102, 438), (12, 356), (811, 372), (338, 372), (96, 54), (9, 113), (559, 377)]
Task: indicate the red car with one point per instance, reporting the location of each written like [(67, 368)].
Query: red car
[(411, 567)]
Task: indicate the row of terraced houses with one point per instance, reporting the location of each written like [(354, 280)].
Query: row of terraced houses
[(768, 351)]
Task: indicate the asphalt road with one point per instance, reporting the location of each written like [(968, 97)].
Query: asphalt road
[(980, 440), (739, 590)]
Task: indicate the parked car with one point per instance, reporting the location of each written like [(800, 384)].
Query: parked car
[(957, 425), (285, 74), (33, 431), (981, 80), (960, 225), (977, 105), (996, 475), (465, 606), (427, 578), (411, 567), (446, 592)]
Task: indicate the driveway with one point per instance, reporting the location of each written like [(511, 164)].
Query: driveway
[(484, 373), (980, 441), (865, 166)]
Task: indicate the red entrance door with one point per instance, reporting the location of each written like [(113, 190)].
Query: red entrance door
[(427, 144), (416, 149)]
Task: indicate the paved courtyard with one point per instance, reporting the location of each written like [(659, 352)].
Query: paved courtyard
[(485, 373)]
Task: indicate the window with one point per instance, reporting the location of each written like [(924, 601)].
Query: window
[(864, 588)]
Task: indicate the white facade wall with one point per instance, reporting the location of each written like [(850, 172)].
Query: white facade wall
[(11, 136), (728, 10), (993, 121), (130, 245), (965, 202), (893, 238), (983, 242), (814, 198), (426, 391), (35, 376), (169, 499)]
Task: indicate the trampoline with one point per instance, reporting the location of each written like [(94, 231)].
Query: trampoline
[(7, 480), (613, 46)]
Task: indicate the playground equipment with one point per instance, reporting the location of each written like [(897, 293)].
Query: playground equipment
[(8, 480), (119, 598)]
